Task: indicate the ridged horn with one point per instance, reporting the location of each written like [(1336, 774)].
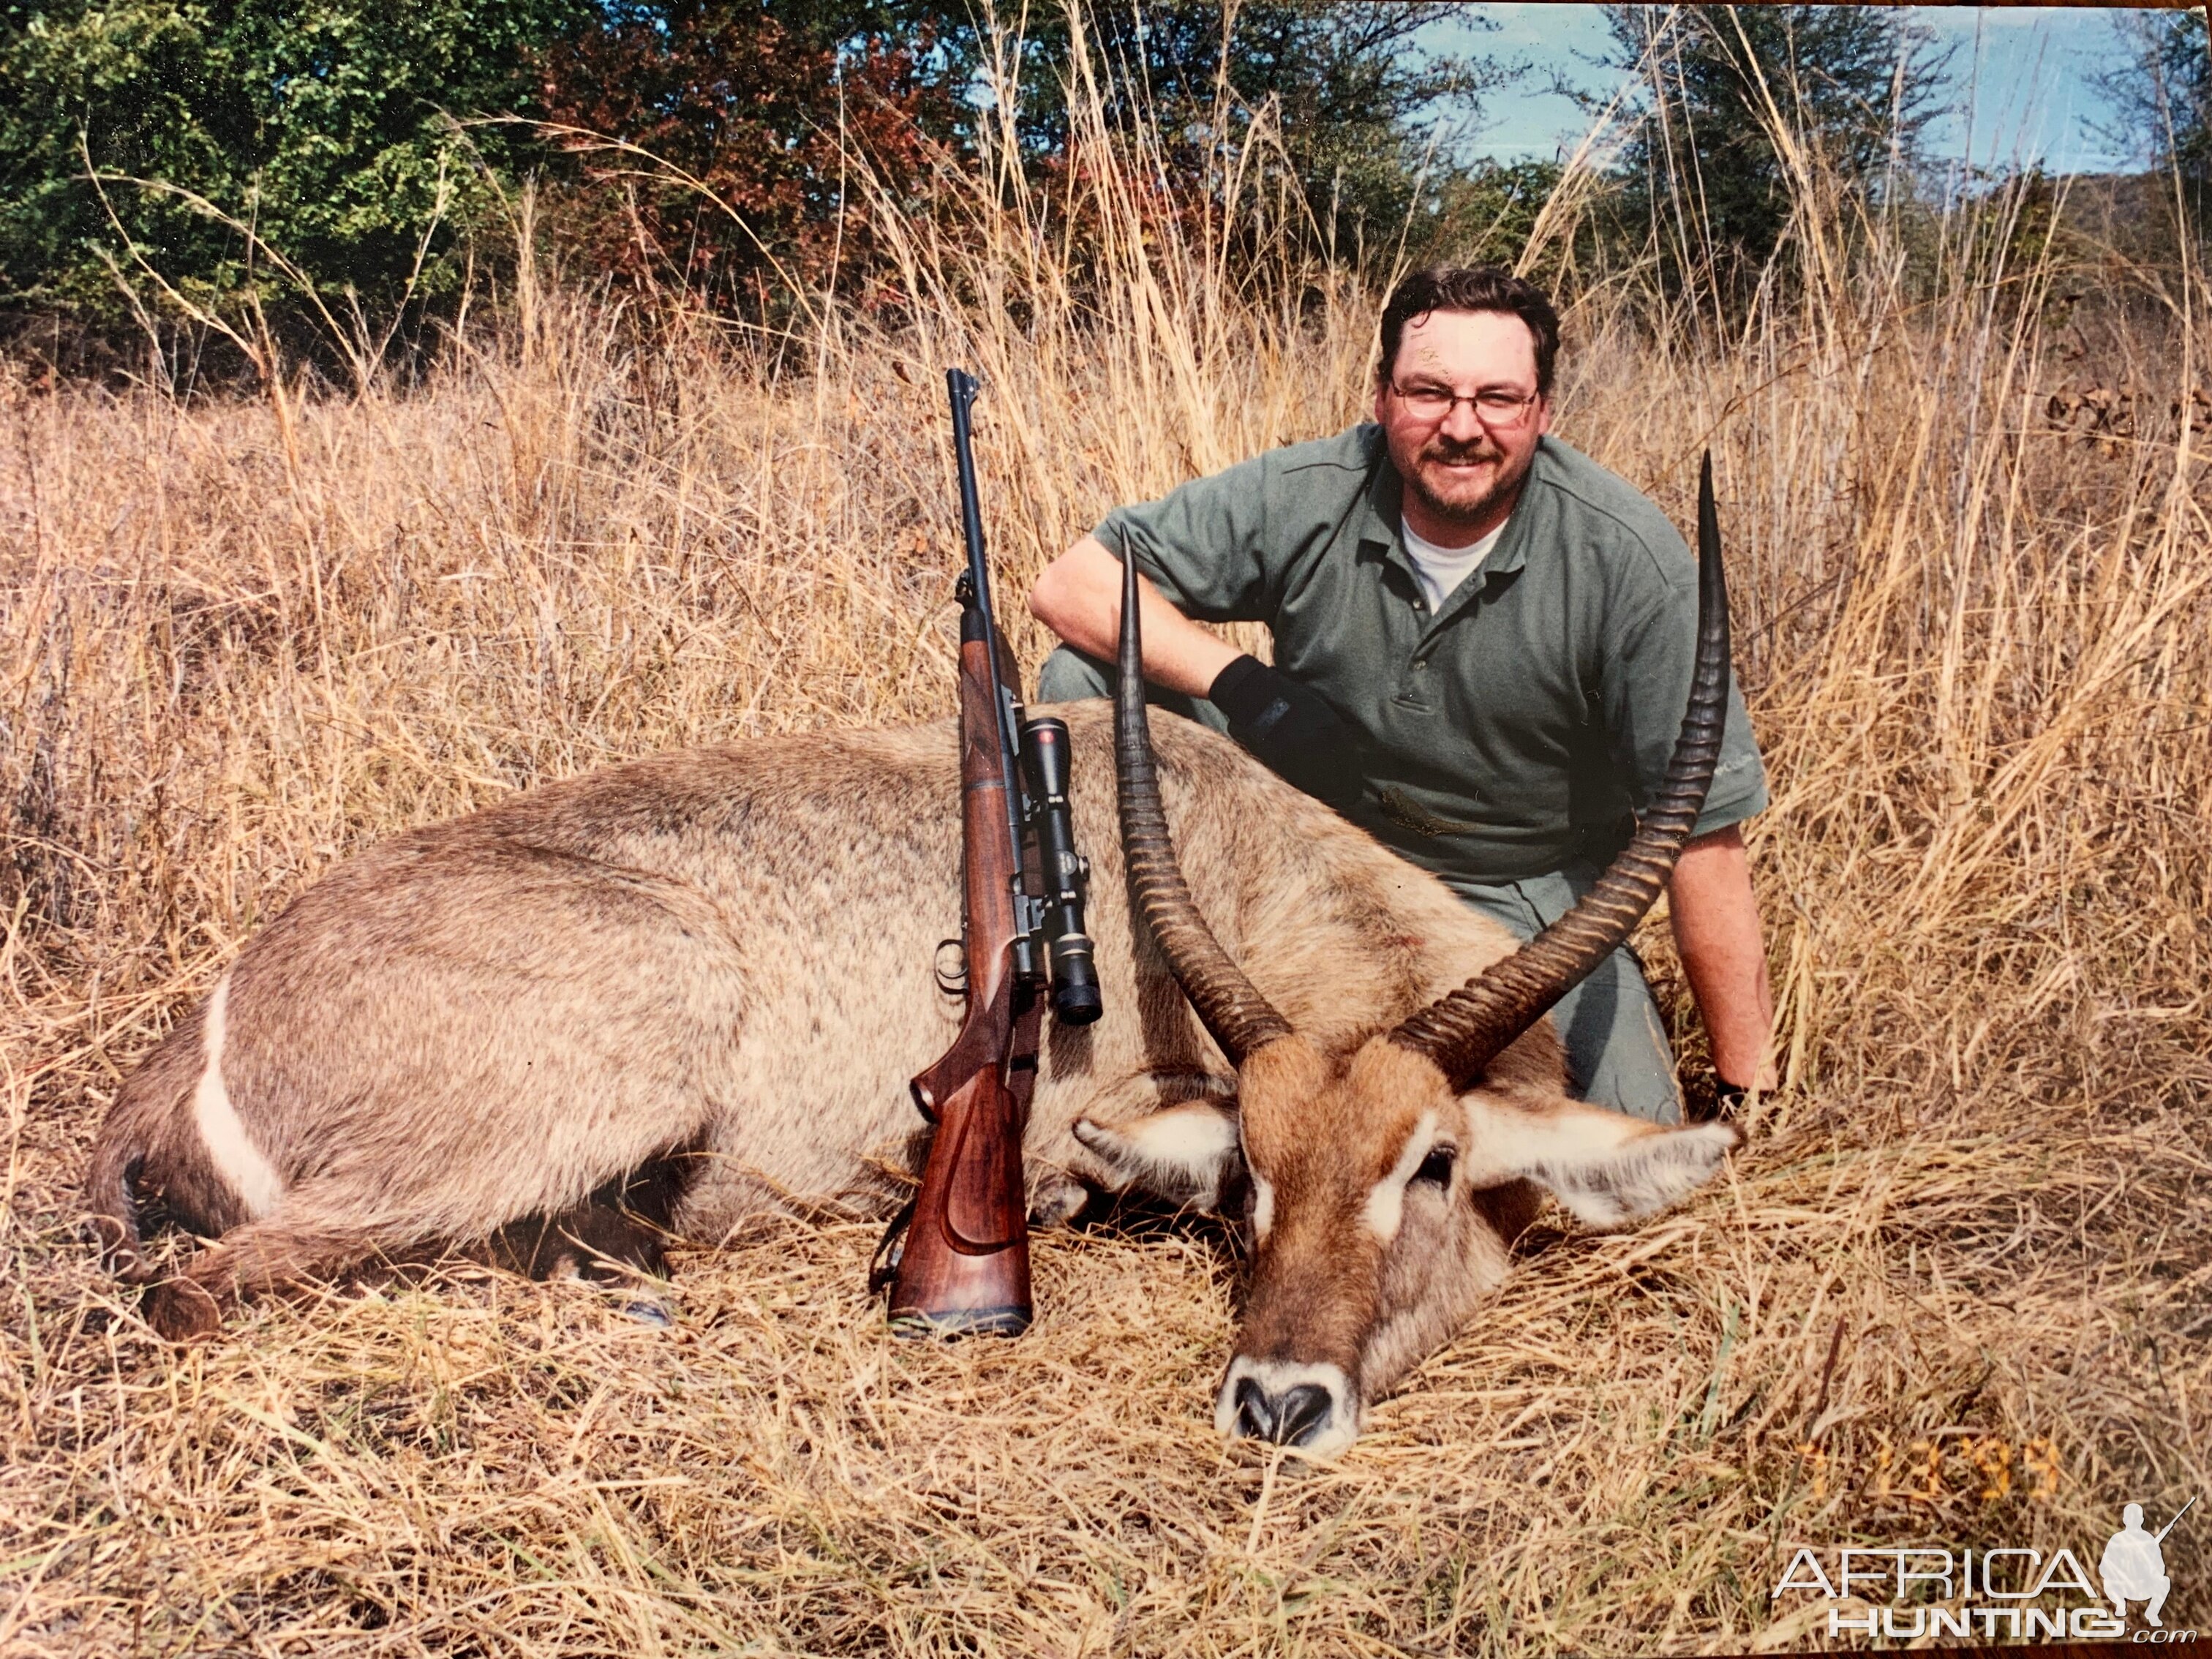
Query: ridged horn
[(1462, 1033), (1239, 1017)]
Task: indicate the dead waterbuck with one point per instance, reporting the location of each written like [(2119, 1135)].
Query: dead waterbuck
[(665, 996)]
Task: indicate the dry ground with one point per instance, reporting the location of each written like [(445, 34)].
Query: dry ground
[(1955, 1291)]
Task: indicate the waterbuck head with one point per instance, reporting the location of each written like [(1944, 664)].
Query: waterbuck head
[(1388, 1181)]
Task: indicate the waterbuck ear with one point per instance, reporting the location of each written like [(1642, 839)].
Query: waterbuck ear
[(1606, 1167), (1186, 1152)]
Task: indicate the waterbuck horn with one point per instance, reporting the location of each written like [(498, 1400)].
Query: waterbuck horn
[(1239, 1017), (1463, 1032)]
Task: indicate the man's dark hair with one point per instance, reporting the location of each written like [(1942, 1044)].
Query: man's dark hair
[(1470, 287)]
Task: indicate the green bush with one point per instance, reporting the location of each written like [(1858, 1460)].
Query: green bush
[(136, 138)]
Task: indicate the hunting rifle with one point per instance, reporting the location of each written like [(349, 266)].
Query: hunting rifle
[(964, 1267)]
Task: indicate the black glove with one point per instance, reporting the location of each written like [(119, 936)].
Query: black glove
[(1292, 729)]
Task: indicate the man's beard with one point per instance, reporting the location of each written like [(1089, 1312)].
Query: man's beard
[(1462, 508)]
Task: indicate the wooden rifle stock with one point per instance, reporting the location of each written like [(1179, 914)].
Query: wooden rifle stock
[(965, 1267)]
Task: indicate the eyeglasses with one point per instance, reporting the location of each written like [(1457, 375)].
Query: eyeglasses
[(1493, 406)]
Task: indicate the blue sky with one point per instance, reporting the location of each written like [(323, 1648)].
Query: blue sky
[(2023, 71)]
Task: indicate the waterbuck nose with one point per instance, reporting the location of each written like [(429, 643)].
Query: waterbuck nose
[(1289, 1418)]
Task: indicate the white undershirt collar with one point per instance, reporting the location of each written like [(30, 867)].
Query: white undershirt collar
[(1441, 570)]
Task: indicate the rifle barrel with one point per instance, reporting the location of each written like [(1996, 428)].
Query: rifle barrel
[(2178, 1514), (962, 387)]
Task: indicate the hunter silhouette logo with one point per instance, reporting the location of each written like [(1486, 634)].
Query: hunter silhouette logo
[(1995, 1592), (2133, 1568)]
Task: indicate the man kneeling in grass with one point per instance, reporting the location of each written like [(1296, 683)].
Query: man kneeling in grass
[(1483, 643)]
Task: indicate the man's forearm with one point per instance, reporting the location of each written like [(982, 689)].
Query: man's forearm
[(1716, 931), (1078, 597)]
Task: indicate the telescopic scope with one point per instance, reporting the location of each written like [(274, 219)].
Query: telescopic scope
[(1068, 952)]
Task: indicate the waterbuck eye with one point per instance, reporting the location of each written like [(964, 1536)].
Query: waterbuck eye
[(1437, 1166)]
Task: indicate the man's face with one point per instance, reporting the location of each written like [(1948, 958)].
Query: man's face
[(1464, 467)]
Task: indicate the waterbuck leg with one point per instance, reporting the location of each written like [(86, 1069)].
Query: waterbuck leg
[(592, 1241), (1055, 1198), (261, 1255), (623, 1228)]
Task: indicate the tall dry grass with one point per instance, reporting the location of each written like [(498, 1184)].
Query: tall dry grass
[(1953, 1292)]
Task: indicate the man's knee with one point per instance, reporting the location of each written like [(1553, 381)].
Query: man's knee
[(1617, 1050), (1068, 676), (1616, 1044)]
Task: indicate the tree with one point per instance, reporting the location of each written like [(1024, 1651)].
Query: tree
[(162, 158), (765, 102), (322, 127), (719, 135), (1852, 87), (2164, 98), (1487, 211), (1355, 94)]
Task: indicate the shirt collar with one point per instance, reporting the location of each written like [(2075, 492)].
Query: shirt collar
[(1382, 502)]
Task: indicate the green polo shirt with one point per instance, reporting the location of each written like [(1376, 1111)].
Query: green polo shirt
[(1518, 730)]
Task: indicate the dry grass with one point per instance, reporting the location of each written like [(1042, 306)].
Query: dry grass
[(1955, 1291)]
